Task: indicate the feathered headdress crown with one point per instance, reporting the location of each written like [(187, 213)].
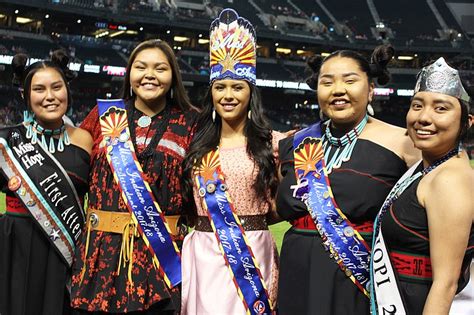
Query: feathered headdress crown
[(233, 51)]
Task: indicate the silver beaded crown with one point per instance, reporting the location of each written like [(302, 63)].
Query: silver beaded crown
[(439, 77)]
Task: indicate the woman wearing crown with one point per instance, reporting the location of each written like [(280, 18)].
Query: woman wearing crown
[(44, 170), (417, 264), (230, 260)]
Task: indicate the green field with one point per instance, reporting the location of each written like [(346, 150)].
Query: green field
[(278, 231), (2, 203)]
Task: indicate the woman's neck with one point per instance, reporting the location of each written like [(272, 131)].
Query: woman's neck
[(232, 134), (429, 158), (50, 125), (150, 108), (339, 129)]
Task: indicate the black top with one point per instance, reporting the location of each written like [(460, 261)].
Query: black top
[(405, 229), (73, 159), (359, 186), (33, 276)]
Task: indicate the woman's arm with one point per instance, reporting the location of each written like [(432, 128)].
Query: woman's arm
[(82, 138), (272, 215), (449, 206), (409, 153)]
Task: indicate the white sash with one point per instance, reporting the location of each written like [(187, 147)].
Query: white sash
[(384, 288)]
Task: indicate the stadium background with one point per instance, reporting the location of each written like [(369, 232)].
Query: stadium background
[(98, 35)]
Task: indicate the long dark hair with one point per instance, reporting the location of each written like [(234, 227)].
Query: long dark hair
[(466, 110), (177, 95), (375, 69), (23, 74), (259, 147)]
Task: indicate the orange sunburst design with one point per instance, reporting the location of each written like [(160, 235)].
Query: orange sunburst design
[(209, 165), (113, 122), (235, 43), (307, 155)]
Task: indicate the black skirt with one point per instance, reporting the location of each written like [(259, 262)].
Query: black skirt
[(310, 281), (32, 274)]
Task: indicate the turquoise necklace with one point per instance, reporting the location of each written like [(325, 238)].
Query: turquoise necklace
[(343, 145), (34, 130)]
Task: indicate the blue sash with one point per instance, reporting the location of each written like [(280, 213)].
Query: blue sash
[(230, 235), (340, 238), (136, 192), (44, 187)]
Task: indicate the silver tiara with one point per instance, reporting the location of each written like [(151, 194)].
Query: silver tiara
[(439, 77)]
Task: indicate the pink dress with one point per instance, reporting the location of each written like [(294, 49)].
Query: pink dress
[(207, 286)]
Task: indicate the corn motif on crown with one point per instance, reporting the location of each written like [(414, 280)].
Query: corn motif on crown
[(232, 48)]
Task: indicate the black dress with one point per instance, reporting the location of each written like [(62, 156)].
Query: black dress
[(405, 230), (310, 281), (33, 276)]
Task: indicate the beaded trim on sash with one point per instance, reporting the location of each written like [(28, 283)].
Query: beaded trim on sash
[(45, 190), (385, 295)]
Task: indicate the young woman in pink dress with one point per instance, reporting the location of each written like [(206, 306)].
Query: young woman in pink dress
[(231, 157)]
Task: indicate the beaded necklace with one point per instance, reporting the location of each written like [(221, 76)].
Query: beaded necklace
[(33, 130), (343, 145), (400, 187), (394, 194)]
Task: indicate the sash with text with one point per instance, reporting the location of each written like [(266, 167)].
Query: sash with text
[(234, 246), (44, 188), (136, 192), (340, 238)]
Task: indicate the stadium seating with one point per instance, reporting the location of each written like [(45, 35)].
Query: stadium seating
[(353, 13), (403, 15), (413, 24)]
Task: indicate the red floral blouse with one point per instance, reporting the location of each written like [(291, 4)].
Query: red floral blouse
[(103, 288)]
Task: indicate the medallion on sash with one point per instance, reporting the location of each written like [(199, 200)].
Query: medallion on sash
[(234, 246), (340, 238), (44, 188), (136, 192)]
